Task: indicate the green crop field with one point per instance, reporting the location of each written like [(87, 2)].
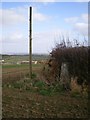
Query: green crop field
[(14, 66)]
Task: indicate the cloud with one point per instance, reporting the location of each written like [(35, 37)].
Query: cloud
[(16, 37), (79, 24), (82, 28), (85, 17), (14, 42), (44, 42), (19, 15), (1, 17), (71, 19), (11, 17), (13, 37), (39, 16), (82, 17)]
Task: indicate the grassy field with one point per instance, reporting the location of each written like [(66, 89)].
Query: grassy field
[(31, 98)]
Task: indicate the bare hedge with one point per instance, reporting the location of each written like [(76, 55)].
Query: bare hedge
[(76, 59)]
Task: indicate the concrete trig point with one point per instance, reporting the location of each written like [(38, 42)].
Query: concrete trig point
[(65, 78)]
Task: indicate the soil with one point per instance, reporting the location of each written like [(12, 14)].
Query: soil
[(18, 103)]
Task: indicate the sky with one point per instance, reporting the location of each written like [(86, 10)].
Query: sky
[(50, 22)]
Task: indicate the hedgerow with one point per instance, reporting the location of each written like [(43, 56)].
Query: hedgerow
[(75, 57)]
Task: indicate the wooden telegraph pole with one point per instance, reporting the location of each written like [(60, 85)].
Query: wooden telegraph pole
[(30, 44)]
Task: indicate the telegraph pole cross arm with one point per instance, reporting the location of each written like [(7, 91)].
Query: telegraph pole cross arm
[(30, 44)]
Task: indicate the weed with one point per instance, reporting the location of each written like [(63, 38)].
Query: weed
[(49, 91), (45, 92), (39, 84), (75, 94), (59, 88), (18, 85), (34, 75)]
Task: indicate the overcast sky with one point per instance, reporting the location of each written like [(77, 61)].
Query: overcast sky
[(51, 20)]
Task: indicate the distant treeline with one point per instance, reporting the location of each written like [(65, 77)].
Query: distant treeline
[(25, 57)]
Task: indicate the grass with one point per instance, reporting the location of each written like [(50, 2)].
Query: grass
[(45, 92), (34, 75), (39, 84), (34, 85), (18, 85), (14, 66), (40, 87)]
